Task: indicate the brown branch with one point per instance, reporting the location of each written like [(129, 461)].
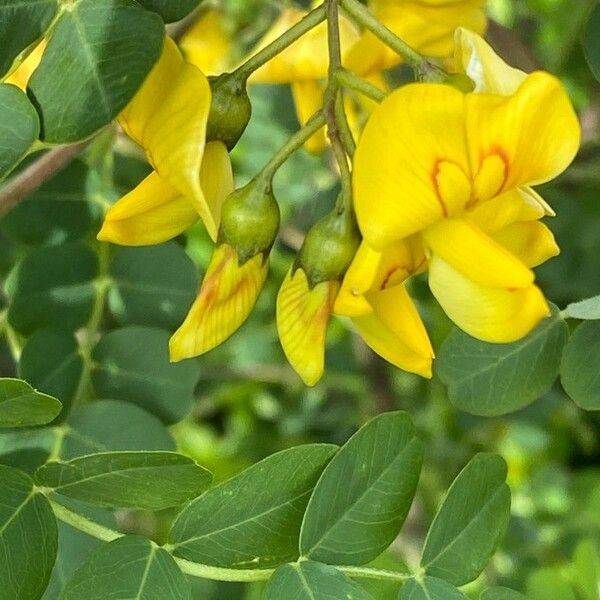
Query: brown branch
[(36, 174)]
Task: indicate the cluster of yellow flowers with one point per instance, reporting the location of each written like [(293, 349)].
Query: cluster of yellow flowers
[(441, 181)]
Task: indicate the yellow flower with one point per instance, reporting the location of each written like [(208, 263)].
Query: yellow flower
[(226, 298), (168, 118), (426, 25), (374, 294), (456, 169), (20, 76)]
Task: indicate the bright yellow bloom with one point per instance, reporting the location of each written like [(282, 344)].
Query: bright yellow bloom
[(302, 317), (455, 169), (228, 294), (167, 117), (426, 25), (20, 76)]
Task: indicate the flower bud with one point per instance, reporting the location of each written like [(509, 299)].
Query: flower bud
[(230, 109), (250, 220)]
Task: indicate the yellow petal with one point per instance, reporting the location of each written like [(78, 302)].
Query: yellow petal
[(535, 132), (531, 241), (168, 117), (206, 44), (395, 331), (151, 213), (476, 255), (226, 298), (490, 74), (411, 166), (490, 314), (20, 76), (302, 317), (308, 99)]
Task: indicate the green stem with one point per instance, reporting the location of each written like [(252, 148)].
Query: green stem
[(344, 127), (107, 534), (422, 67), (355, 83), (311, 20)]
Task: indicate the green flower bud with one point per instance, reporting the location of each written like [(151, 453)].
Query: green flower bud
[(329, 247), (230, 109), (250, 220)]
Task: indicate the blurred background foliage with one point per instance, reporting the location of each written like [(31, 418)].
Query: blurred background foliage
[(248, 403)]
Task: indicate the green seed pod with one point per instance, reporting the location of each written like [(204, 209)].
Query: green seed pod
[(230, 109), (329, 247), (250, 220)]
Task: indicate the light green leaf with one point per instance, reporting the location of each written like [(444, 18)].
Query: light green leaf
[(19, 123), (468, 526), (587, 309), (22, 22), (591, 42), (154, 285), (495, 379), (130, 567), (98, 55), (171, 10), (27, 537), (585, 571), (44, 292), (309, 580), (580, 366), (152, 480), (51, 362), (132, 364), (501, 593), (549, 584), (362, 498), (252, 521), (22, 406), (94, 429), (430, 588)]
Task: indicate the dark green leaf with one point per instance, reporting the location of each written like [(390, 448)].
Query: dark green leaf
[(469, 524), (98, 427), (580, 366), (54, 214), (22, 22), (253, 520), (27, 537), (309, 580), (98, 55), (53, 286), (362, 498), (587, 309), (591, 42), (152, 480), (51, 362), (501, 593), (549, 584), (430, 588), (495, 379), (19, 124), (130, 567), (153, 286), (26, 449), (132, 364), (171, 10), (22, 406)]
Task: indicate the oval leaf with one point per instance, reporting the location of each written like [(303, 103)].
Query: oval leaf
[(28, 537), (152, 480), (309, 580), (171, 10), (580, 366), (495, 379), (132, 364), (98, 55), (430, 588), (19, 124), (22, 406), (588, 309), (469, 524), (130, 567), (252, 521), (362, 498), (591, 42)]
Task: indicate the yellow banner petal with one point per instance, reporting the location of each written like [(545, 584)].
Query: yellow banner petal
[(308, 99), (302, 317), (226, 298), (151, 213), (168, 117), (490, 314), (531, 241)]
